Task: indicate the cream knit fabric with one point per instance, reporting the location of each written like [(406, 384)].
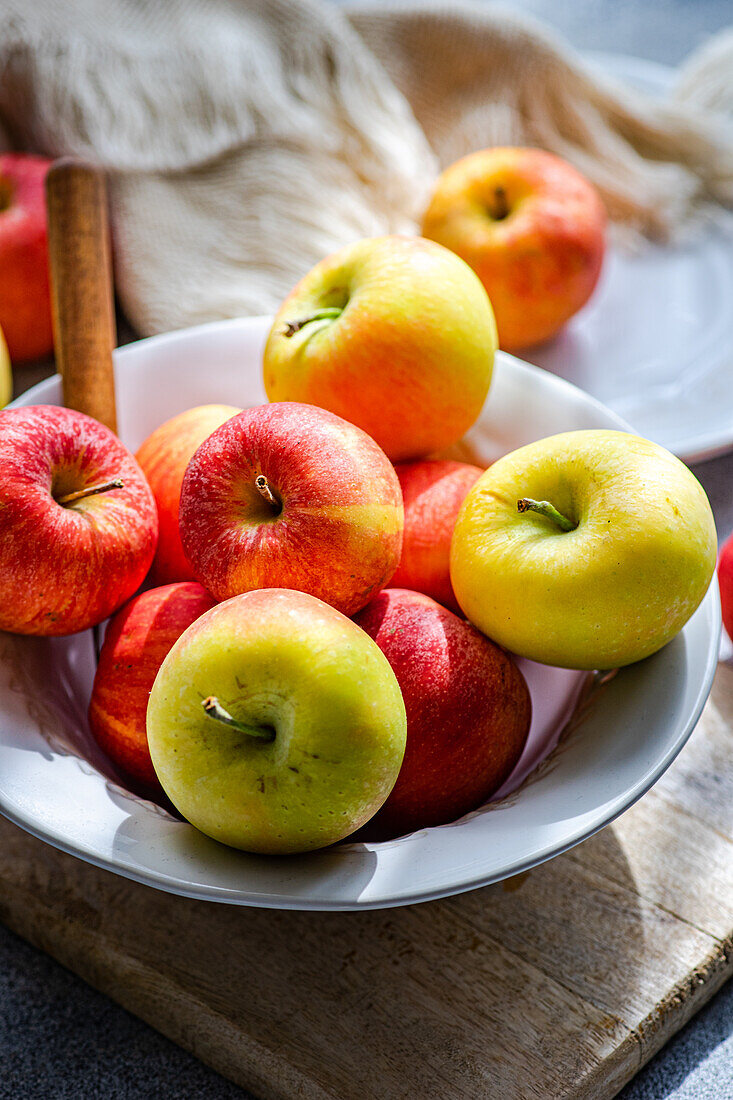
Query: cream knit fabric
[(244, 140)]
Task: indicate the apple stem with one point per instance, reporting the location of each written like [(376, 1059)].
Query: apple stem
[(263, 487), (214, 709), (500, 209), (69, 498), (544, 508), (329, 314)]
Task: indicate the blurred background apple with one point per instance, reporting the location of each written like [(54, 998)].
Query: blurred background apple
[(533, 230), (25, 298)]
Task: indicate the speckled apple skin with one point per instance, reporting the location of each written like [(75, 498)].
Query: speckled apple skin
[(163, 458), (25, 296), (468, 711), (289, 662), (339, 533), (539, 264), (138, 638), (64, 568), (410, 358), (613, 590), (433, 492)]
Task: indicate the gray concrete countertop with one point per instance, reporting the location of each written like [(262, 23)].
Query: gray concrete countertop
[(59, 1039)]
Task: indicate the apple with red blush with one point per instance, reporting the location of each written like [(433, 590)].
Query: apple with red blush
[(78, 524), (468, 712), (291, 496), (531, 227), (163, 458), (433, 492), (138, 639), (25, 296)]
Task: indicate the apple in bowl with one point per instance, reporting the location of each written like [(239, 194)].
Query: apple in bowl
[(589, 549), (531, 227), (275, 724), (433, 492), (78, 525), (163, 458), (290, 496), (394, 334), (468, 712), (137, 639)]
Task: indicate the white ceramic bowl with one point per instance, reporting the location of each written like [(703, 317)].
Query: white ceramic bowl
[(55, 783)]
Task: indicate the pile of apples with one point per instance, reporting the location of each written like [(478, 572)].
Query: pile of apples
[(327, 648)]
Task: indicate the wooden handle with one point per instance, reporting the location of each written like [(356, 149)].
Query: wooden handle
[(81, 287)]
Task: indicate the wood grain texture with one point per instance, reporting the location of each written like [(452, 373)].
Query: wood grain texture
[(81, 287), (559, 983)]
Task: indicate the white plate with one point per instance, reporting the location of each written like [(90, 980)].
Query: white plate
[(655, 342), (55, 783)]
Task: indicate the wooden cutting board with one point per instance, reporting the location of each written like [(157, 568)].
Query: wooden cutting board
[(561, 982)]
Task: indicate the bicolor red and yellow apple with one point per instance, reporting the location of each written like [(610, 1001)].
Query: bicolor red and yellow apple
[(78, 524), (531, 227), (291, 496), (137, 640), (468, 711), (275, 724), (163, 458), (394, 334)]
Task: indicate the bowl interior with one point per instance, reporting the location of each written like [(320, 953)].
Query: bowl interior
[(55, 782)]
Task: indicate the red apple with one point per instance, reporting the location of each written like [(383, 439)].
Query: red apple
[(725, 581), (163, 458), (25, 298), (138, 638), (395, 334), (291, 496), (433, 493), (468, 711), (78, 524), (533, 230)]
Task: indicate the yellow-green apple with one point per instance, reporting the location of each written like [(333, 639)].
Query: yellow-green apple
[(78, 524), (163, 458), (396, 335), (275, 724), (725, 581), (468, 711), (533, 230), (25, 298), (589, 549), (291, 496), (433, 492), (6, 375), (137, 639)]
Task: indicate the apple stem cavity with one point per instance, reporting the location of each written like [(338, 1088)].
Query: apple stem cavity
[(500, 208), (214, 709), (263, 487), (329, 314), (544, 508), (80, 494)]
